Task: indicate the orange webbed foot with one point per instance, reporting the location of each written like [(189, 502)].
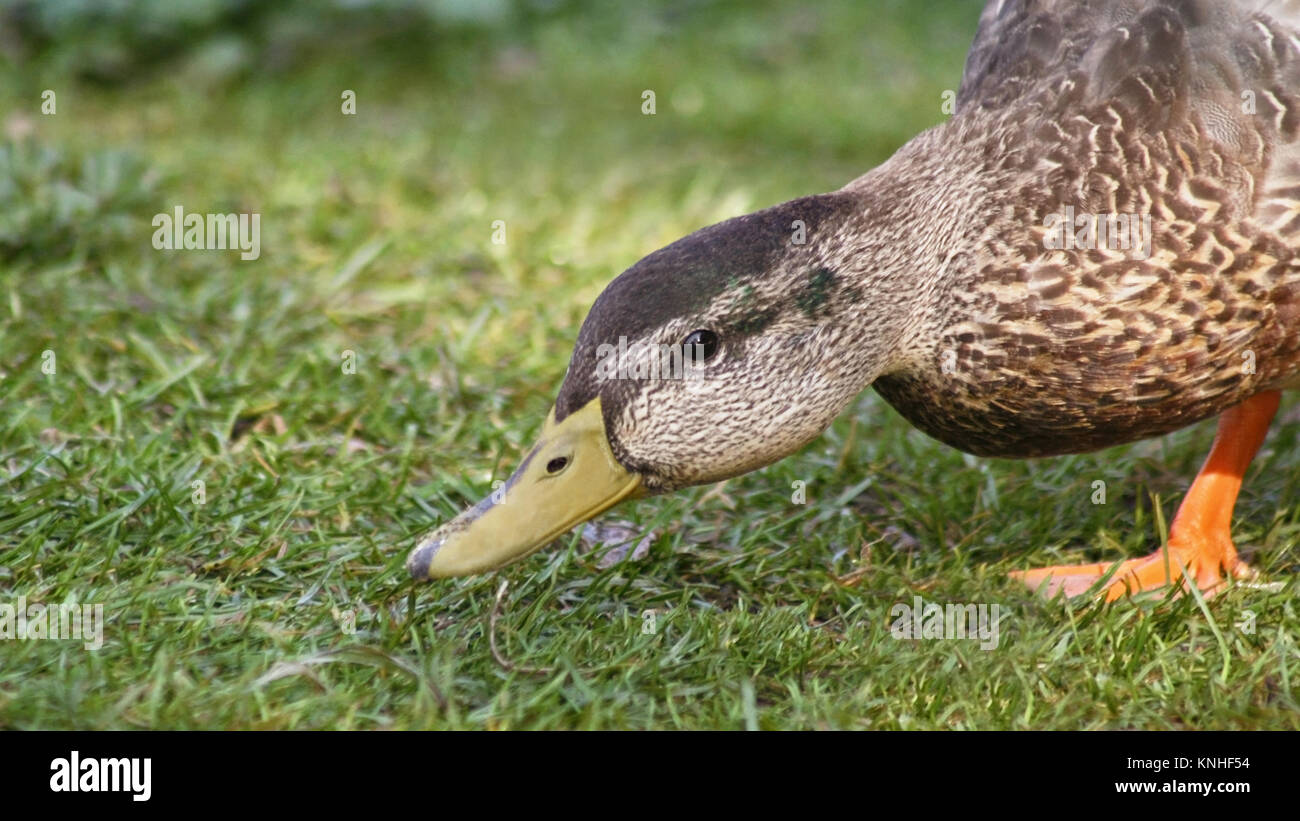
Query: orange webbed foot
[(1207, 561), (1200, 548)]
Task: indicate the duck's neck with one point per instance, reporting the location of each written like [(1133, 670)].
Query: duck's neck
[(904, 226)]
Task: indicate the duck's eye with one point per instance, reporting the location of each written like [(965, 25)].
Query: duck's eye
[(557, 464), (708, 342)]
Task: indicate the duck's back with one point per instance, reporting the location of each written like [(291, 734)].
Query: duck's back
[(1134, 265)]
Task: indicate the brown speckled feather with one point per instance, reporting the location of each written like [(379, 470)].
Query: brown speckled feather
[(1184, 112)]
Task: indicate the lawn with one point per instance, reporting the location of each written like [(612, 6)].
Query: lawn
[(234, 456)]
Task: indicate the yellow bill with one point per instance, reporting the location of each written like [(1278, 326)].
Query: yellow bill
[(570, 476)]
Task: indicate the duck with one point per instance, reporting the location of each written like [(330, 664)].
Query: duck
[(1100, 245)]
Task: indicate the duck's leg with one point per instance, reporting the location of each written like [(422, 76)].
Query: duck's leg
[(1200, 539)]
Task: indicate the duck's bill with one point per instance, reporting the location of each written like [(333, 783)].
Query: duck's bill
[(570, 476)]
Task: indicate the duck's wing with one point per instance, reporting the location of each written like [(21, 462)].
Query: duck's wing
[(1277, 69), (1230, 69), (1157, 55), (1021, 42)]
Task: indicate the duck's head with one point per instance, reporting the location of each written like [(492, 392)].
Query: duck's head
[(719, 354)]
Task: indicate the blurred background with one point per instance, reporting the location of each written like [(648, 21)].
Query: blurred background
[(466, 109)]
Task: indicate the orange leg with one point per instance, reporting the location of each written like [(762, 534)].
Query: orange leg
[(1200, 539)]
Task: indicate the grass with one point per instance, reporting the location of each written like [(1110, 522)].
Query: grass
[(280, 600)]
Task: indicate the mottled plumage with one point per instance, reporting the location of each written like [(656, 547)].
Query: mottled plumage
[(1129, 108)]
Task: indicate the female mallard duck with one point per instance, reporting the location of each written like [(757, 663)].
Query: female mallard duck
[(1101, 245)]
